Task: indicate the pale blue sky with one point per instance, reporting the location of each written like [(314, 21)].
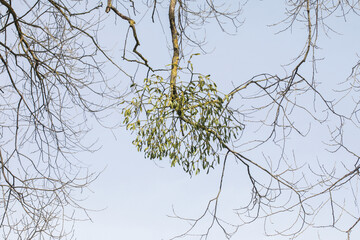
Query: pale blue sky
[(136, 194)]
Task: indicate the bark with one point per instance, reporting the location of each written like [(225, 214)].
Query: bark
[(175, 42)]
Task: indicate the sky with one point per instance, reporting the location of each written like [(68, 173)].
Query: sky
[(134, 198)]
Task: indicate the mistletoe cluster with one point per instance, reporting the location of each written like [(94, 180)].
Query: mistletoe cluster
[(190, 130)]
